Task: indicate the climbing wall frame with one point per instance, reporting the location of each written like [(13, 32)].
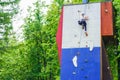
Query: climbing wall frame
[(80, 55)]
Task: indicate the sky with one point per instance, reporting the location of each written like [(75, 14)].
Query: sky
[(18, 19)]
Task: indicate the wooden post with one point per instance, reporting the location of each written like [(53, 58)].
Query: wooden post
[(106, 75)]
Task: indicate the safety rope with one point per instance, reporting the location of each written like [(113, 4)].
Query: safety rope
[(80, 37), (81, 33), (85, 7)]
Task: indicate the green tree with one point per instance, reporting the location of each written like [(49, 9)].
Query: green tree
[(34, 39), (114, 60), (40, 33), (7, 10)]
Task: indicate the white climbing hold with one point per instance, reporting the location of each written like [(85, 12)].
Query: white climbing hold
[(91, 45), (74, 60)]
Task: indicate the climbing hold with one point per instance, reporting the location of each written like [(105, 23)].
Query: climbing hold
[(78, 42), (108, 67), (91, 45), (106, 10), (86, 77), (86, 44), (82, 69), (74, 73), (86, 61), (79, 11), (78, 53), (75, 35), (74, 60)]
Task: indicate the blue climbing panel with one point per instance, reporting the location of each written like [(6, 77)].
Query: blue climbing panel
[(88, 64)]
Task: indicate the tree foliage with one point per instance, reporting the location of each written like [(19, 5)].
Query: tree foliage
[(114, 62), (36, 58), (42, 52), (7, 10)]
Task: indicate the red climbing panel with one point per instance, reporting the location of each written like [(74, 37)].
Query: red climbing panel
[(106, 19), (59, 36)]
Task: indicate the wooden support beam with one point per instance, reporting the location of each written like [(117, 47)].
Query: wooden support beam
[(106, 72)]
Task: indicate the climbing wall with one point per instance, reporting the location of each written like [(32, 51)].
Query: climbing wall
[(81, 53), (80, 56)]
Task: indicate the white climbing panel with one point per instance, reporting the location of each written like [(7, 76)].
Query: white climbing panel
[(73, 35)]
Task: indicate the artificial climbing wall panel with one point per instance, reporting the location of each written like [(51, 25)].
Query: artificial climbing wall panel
[(80, 59)]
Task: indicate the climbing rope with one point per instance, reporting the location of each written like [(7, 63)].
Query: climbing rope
[(81, 32)]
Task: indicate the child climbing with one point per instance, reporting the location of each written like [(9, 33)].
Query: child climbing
[(83, 23)]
